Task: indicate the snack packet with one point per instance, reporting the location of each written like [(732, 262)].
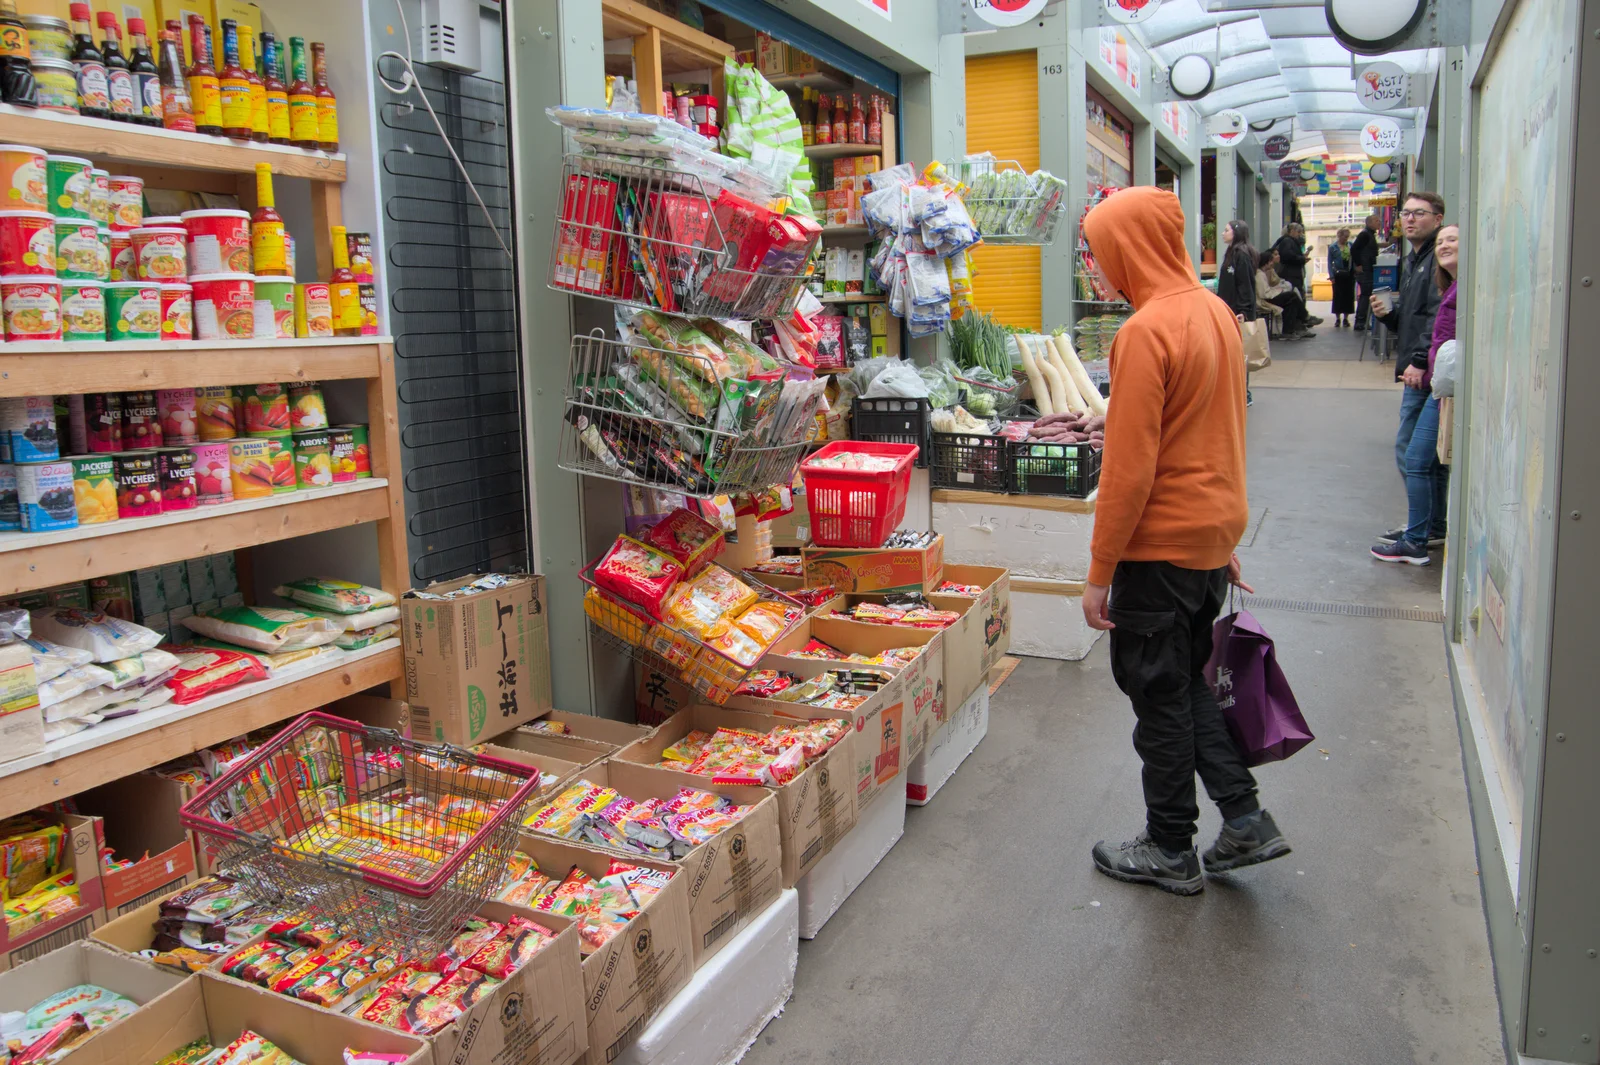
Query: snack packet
[(332, 594), (687, 537), (638, 573)]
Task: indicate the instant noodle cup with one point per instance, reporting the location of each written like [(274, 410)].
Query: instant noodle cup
[(342, 445), (94, 488), (127, 202), (281, 458), (133, 310), (138, 484), (274, 307), (124, 262), (159, 253), (100, 197), (219, 241), (306, 408), (213, 482), (79, 255), (266, 409), (218, 412), (83, 311), (176, 468), (71, 186), (180, 418), (177, 311), (141, 421), (23, 176), (313, 310), (27, 244), (32, 308), (44, 493), (250, 467), (57, 80), (224, 306), (313, 459)]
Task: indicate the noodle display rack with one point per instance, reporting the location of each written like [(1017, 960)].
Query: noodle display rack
[(1011, 218)]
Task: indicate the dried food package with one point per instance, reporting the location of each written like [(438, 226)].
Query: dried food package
[(638, 573)]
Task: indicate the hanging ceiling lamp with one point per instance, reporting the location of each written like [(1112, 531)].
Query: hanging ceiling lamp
[(1191, 76), (1369, 27)]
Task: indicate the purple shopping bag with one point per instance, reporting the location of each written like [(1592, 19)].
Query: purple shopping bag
[(1252, 691)]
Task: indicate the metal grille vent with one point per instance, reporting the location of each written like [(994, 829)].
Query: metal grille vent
[(1354, 610)]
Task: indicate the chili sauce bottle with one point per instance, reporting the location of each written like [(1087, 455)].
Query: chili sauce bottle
[(250, 60), (204, 87), (343, 292), (234, 86), (268, 249), (277, 92), (302, 98), (327, 103)]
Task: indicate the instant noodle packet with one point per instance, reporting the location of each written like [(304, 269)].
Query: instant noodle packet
[(638, 573), (687, 537)]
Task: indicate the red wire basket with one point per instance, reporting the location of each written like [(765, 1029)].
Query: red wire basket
[(397, 842), (857, 508)]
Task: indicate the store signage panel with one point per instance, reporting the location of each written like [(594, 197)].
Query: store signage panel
[(880, 6), (1227, 128), (1382, 86), (1004, 12), (1175, 116), (1276, 147), (1382, 138), (1122, 56), (1128, 11)]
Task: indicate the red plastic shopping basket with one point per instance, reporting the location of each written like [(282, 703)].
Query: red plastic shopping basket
[(855, 508)]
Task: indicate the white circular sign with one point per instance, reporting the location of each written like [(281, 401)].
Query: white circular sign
[(1227, 128), (1007, 12), (1382, 86), (1381, 138), (1128, 11)]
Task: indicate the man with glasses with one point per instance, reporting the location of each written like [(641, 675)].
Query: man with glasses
[(1409, 314)]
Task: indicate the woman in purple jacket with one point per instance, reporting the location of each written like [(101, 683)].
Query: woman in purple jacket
[(1427, 481)]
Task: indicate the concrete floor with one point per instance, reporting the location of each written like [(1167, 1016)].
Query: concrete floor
[(986, 937)]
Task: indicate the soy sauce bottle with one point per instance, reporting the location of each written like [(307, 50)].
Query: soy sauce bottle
[(119, 79), (17, 85), (147, 106), (94, 98)]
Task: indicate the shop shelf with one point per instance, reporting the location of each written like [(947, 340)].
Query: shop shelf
[(114, 749), (969, 461), (888, 420), (42, 369), (1044, 469), (819, 79), (120, 143), (30, 560), (844, 231), (858, 297), (838, 151), (1010, 206)]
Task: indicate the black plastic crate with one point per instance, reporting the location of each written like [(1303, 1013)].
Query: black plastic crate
[(893, 421), (1045, 469), (969, 461)]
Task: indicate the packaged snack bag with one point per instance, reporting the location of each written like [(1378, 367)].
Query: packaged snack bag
[(638, 573), (687, 537), (332, 594)]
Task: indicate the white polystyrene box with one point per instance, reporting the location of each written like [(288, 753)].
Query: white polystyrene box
[(1049, 624), (948, 748), (1030, 541), (878, 828)]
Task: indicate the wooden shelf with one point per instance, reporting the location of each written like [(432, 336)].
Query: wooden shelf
[(844, 231), (115, 749), (41, 369), (849, 297), (114, 141), (819, 79), (30, 560), (662, 47), (836, 151)]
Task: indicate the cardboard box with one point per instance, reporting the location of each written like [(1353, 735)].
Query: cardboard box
[(181, 10), (554, 773), (217, 1009), (593, 727), (75, 924), (657, 695), (477, 665), (990, 613), (571, 750), (88, 963), (134, 929), (138, 815), (772, 55), (732, 877), (815, 809), (875, 569), (242, 12)]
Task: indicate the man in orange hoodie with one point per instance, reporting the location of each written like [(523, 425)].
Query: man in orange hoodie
[(1170, 510)]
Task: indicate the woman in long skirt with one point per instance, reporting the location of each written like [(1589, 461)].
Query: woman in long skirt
[(1342, 270)]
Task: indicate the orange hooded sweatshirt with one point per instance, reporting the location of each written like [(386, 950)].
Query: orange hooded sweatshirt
[(1172, 486)]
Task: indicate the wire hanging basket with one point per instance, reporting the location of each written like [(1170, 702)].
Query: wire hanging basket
[(1010, 205), (396, 842)]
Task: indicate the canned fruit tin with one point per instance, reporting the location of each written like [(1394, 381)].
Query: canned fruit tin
[(124, 260), (180, 419), (313, 310), (133, 309), (79, 255), (94, 422), (27, 244), (32, 308), (213, 482), (342, 446), (57, 80), (274, 307), (283, 477), (250, 468), (83, 311), (218, 412), (369, 310), (224, 306), (219, 241), (94, 488), (177, 311), (28, 429), (49, 38), (24, 177), (71, 186), (138, 484), (176, 468), (100, 197), (127, 202), (10, 509), (45, 497), (141, 421), (313, 459), (361, 452), (266, 410), (306, 407), (159, 253)]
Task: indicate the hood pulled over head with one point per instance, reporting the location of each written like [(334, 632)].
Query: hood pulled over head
[(1136, 235)]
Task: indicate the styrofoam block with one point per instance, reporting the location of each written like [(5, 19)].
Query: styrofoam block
[(948, 748), (1051, 544), (918, 500), (731, 998), (878, 828), (1050, 625)]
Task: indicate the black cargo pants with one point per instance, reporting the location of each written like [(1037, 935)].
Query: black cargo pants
[(1163, 616)]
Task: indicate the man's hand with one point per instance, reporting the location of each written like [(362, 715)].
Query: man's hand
[(1235, 577), (1379, 308), (1095, 612), (1412, 376)]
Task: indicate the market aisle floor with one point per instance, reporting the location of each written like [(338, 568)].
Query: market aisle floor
[(985, 937)]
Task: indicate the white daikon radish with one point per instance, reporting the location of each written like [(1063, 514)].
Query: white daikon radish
[(1059, 397), (1080, 376), (1041, 390), (1069, 388)]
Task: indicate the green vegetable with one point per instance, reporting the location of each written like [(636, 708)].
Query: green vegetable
[(977, 340)]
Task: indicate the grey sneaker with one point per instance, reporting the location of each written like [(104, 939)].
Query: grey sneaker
[(1257, 841), (1141, 861), (1393, 535)]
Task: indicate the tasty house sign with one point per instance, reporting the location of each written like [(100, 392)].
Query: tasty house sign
[(1382, 86)]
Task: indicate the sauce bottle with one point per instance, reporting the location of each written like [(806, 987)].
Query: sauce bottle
[(119, 80), (248, 58), (268, 250), (343, 292), (277, 92), (94, 99), (233, 85), (17, 85), (327, 103), (147, 108), (824, 120), (841, 120), (203, 84), (858, 120), (808, 118), (875, 121), (302, 98), (177, 109)]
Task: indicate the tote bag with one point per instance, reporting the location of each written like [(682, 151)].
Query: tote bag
[(1262, 714), (1257, 356)]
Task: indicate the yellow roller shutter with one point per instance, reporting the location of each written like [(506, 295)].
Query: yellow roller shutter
[(1003, 118)]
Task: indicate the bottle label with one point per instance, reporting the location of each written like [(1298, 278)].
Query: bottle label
[(119, 87), (94, 94), (267, 250), (327, 121), (258, 108), (235, 103), (148, 90), (207, 100), (176, 110), (14, 43), (278, 115), (303, 118)]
